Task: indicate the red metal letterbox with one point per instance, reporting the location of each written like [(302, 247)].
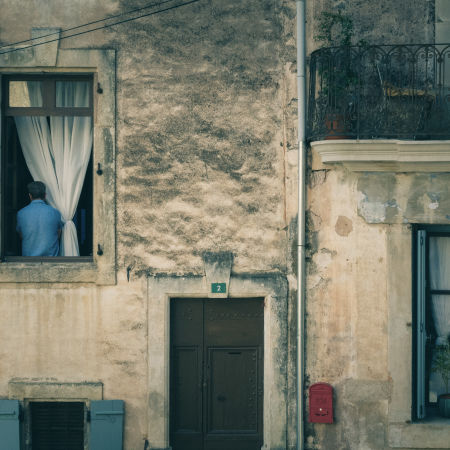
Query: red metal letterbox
[(321, 403)]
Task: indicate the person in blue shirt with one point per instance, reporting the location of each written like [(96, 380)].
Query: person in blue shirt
[(38, 224)]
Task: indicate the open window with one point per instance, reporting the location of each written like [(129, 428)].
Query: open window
[(48, 136), (431, 314)]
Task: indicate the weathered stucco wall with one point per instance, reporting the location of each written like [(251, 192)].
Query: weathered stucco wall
[(205, 161), (201, 125), (381, 22), (346, 332), (359, 301), (79, 334)]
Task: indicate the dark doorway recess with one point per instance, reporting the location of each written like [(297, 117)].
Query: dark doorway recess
[(57, 425), (216, 400)]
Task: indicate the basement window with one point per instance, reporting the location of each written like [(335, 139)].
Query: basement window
[(61, 425), (57, 425), (48, 136)]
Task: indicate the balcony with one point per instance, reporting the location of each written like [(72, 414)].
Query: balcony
[(380, 92)]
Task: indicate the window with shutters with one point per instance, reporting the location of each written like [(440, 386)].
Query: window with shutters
[(61, 425), (431, 315)]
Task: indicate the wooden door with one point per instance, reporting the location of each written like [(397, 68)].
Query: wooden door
[(216, 374)]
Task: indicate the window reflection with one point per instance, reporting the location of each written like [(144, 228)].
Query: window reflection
[(25, 94)]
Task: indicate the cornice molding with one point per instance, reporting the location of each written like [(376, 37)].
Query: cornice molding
[(385, 155)]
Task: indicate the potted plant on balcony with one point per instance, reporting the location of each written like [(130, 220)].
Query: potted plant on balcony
[(337, 75), (441, 365)]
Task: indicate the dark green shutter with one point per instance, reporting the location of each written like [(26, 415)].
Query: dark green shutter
[(421, 331), (9, 424), (106, 425)]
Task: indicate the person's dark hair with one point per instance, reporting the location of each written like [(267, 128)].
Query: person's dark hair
[(36, 189)]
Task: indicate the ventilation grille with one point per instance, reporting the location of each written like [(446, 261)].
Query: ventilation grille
[(57, 425)]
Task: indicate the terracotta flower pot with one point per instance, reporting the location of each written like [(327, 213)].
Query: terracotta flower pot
[(336, 127)]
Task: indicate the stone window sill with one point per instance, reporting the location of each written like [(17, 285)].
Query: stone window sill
[(56, 272), (431, 434), (385, 155)]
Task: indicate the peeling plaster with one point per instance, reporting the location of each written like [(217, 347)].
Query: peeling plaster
[(371, 212)]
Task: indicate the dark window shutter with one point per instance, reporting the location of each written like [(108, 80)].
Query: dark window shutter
[(421, 332), (106, 425), (9, 424)]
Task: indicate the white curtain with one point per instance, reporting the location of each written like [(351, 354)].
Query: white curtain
[(439, 280), (58, 155)]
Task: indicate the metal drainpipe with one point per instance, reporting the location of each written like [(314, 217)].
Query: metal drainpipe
[(301, 96)]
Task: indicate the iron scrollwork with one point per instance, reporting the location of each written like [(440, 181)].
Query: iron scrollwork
[(386, 91)]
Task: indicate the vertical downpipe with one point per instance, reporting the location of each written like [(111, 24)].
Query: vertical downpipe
[(301, 96)]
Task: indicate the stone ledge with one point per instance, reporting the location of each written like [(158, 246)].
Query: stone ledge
[(21, 390), (49, 272), (419, 435), (373, 155)]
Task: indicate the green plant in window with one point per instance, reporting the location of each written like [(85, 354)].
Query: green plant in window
[(441, 363)]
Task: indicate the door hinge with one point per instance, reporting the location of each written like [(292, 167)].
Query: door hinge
[(88, 416)]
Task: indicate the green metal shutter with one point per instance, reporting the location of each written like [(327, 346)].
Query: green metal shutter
[(9, 424), (421, 331), (106, 425)]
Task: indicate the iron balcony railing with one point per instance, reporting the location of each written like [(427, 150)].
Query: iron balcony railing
[(386, 91)]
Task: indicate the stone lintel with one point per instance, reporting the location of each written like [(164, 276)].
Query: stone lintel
[(46, 41), (217, 270), (21, 390)]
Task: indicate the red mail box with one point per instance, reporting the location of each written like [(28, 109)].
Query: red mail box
[(321, 403)]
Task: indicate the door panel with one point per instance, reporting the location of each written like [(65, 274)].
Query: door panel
[(187, 371), (216, 374), (234, 384), (186, 375)]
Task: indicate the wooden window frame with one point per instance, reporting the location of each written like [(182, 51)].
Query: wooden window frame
[(48, 108), (100, 64), (429, 231)]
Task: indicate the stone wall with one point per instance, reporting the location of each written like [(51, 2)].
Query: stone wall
[(381, 22), (202, 112), (359, 301), (205, 160)]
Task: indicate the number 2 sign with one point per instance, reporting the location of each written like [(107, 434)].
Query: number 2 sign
[(218, 288)]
